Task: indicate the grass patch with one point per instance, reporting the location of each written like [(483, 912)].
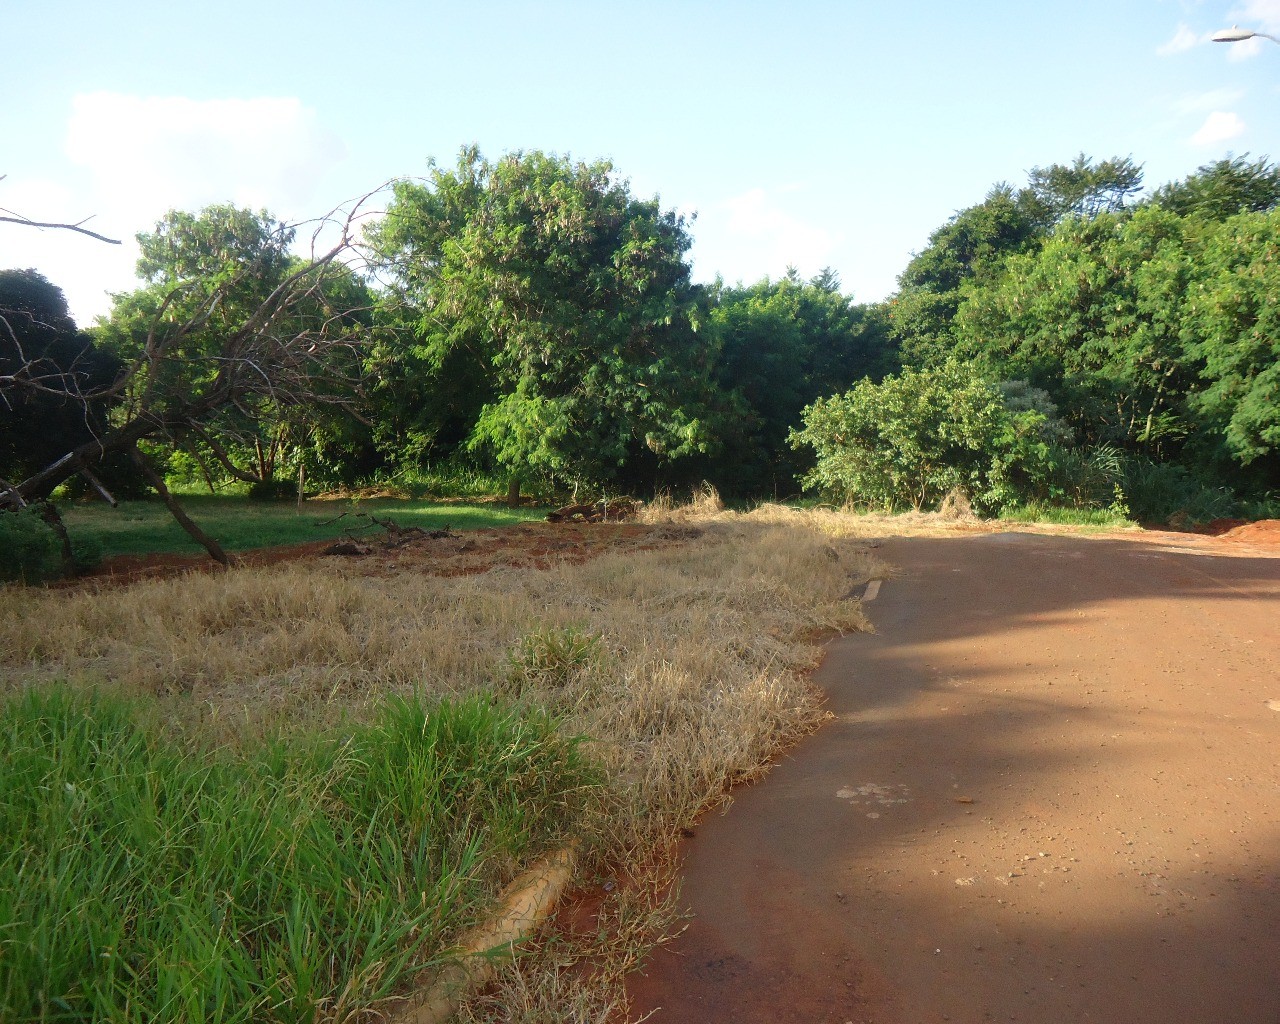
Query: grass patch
[(297, 880), (238, 524), (1061, 515), (685, 664)]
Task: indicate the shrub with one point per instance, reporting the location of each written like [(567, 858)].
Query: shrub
[(29, 549), (273, 489), (911, 439)]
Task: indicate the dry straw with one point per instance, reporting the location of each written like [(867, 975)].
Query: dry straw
[(686, 664)]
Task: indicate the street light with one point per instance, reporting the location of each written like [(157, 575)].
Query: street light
[(1235, 34)]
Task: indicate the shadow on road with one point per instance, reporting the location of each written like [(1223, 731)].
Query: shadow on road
[(1049, 793)]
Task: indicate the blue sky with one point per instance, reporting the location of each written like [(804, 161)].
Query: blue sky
[(809, 134)]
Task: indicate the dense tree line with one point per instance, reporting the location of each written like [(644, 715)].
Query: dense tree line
[(1065, 341)]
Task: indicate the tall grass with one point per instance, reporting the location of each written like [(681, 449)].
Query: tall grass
[(682, 655), (297, 881)]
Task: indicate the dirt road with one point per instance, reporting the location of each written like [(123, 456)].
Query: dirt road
[(1051, 793)]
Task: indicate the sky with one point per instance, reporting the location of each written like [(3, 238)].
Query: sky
[(811, 134)]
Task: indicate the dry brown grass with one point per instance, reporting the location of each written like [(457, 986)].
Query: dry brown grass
[(697, 673), (686, 664)]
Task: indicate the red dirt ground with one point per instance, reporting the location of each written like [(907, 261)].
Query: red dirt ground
[(535, 545), (1050, 792)]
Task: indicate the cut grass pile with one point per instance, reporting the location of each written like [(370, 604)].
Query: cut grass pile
[(140, 881), (684, 665), (238, 524)]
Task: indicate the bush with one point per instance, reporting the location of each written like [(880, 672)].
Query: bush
[(911, 439), (1161, 491), (273, 490), (30, 551)]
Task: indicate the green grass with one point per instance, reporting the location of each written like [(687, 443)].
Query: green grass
[(143, 527), (303, 880), (1066, 516)]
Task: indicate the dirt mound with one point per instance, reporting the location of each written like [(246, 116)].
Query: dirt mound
[(1264, 531)]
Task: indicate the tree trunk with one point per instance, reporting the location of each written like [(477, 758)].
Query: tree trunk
[(49, 513), (184, 520), (513, 492), (302, 483)]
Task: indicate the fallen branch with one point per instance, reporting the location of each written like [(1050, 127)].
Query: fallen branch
[(397, 536), (597, 512)]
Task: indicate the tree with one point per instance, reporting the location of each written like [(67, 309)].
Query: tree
[(1094, 318), (973, 244), (211, 271), (231, 330), (574, 294), (1222, 189), (1232, 323), (47, 370), (912, 438), (782, 344), (972, 247), (1084, 188)]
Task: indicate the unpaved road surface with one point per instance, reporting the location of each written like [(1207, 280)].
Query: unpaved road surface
[(1051, 793)]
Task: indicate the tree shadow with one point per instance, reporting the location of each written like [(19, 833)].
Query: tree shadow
[(1048, 793)]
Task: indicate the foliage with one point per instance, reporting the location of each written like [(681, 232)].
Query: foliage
[(47, 367), (781, 345), (1093, 318), (970, 245), (971, 248), (1084, 188), (1157, 331), (576, 298), (1222, 189), (209, 276), (912, 438), (30, 551), (1231, 322), (144, 881)]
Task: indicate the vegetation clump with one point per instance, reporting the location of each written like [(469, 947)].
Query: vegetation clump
[(298, 880)]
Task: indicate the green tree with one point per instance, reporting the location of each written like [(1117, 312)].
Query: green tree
[(1232, 323), (575, 295), (1084, 188), (972, 245), (1222, 189), (910, 439), (218, 340), (207, 275), (971, 248), (47, 368), (782, 344), (1095, 318)]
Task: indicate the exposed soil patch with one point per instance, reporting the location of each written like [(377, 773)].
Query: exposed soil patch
[(528, 545), (1048, 793)]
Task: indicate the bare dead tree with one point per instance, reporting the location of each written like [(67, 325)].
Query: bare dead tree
[(200, 367)]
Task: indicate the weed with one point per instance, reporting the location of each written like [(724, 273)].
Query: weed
[(296, 881)]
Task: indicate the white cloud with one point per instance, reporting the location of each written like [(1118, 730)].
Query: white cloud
[(753, 234), (149, 153), (1218, 127), (1259, 14), (1183, 39), (143, 155), (1214, 99)]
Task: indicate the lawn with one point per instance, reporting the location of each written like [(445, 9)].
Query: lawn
[(142, 527)]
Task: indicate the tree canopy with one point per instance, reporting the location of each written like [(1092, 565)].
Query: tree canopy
[(575, 298)]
